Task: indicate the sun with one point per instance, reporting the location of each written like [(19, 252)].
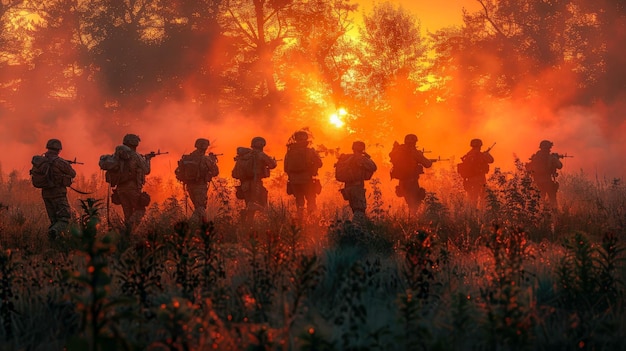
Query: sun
[(336, 118)]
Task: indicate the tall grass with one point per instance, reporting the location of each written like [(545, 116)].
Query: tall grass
[(509, 275)]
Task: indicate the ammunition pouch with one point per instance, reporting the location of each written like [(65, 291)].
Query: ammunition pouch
[(317, 186), (144, 199), (239, 192), (344, 194), (400, 191), (421, 194), (115, 197)]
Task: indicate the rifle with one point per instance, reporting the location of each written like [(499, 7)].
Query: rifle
[(214, 156), (489, 148), (152, 154), (433, 160), (562, 155), (74, 162)]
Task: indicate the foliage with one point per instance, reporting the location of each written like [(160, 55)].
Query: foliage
[(444, 280)]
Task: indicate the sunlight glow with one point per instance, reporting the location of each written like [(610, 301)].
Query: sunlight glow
[(336, 118)]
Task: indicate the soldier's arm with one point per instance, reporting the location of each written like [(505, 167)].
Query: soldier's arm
[(270, 162), (368, 164), (143, 163), (487, 156), (421, 159), (317, 160), (67, 169)]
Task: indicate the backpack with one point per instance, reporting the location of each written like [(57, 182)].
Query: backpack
[(115, 169), (299, 159), (296, 160), (190, 169), (540, 164), (472, 165), (245, 162), (346, 169), (403, 165), (41, 172)]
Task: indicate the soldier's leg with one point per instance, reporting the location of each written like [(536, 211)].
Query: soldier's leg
[(473, 192), (358, 202), (311, 198), (127, 204), (61, 216), (199, 199), (412, 194), (50, 210), (300, 206), (552, 195)]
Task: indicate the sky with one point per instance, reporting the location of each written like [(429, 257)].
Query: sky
[(433, 15)]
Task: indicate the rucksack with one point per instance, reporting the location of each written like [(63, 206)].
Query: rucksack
[(403, 165), (245, 163), (472, 164), (115, 169), (296, 160), (346, 169), (189, 169), (41, 172), (300, 159), (540, 164)]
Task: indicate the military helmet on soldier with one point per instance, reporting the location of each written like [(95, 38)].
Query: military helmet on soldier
[(410, 139), (258, 143), (358, 146), (202, 143), (476, 143), (54, 144), (301, 136), (131, 140), (545, 144)]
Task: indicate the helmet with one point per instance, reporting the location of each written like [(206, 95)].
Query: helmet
[(202, 143), (54, 144), (410, 139), (257, 143), (358, 146), (131, 140), (545, 144), (476, 143), (301, 136)]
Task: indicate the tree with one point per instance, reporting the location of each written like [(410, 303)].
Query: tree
[(391, 66), (322, 47), (260, 28)]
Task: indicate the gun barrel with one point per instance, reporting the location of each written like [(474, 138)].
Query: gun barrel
[(74, 162)]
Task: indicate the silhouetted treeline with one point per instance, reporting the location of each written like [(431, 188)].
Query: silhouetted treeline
[(116, 57)]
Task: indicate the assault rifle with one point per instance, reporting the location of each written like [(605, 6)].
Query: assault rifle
[(154, 154), (489, 148), (74, 162), (562, 155), (214, 156), (433, 160)]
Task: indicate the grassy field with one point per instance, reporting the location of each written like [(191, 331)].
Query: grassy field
[(511, 276)]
